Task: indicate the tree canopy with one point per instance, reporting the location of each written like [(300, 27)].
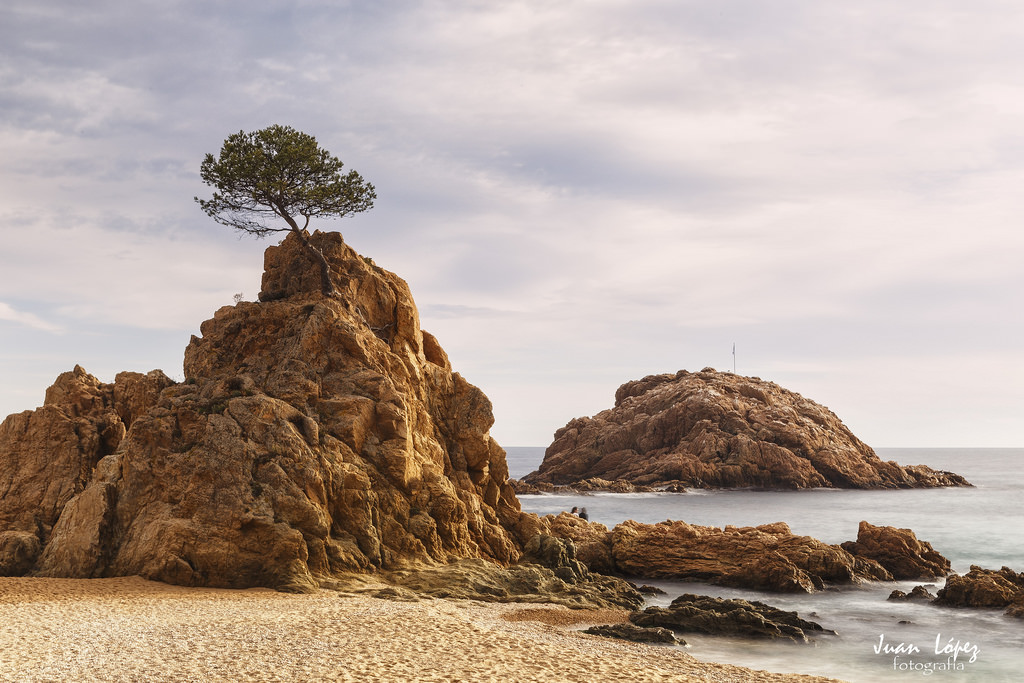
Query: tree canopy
[(281, 173)]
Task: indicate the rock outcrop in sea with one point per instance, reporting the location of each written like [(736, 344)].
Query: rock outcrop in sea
[(769, 557), (311, 437), (715, 429)]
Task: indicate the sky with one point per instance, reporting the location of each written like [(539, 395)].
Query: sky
[(579, 193)]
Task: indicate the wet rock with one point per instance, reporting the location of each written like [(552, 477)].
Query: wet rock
[(919, 593), (716, 616)]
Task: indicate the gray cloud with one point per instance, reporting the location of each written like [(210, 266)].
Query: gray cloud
[(578, 193)]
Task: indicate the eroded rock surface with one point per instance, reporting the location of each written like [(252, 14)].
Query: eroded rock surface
[(714, 429), (312, 436), (48, 456)]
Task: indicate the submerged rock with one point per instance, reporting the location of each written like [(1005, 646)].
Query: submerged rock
[(312, 436), (918, 594), (714, 429), (716, 616)]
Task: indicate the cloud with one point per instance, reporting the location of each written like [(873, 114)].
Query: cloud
[(27, 319), (576, 193)]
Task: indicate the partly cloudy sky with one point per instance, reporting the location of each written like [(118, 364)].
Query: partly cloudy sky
[(579, 193)]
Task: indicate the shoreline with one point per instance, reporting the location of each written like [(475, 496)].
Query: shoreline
[(125, 629)]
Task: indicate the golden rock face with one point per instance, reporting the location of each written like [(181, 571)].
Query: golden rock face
[(313, 436)]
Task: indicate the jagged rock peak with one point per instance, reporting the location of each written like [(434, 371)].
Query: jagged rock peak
[(313, 436), (717, 429)]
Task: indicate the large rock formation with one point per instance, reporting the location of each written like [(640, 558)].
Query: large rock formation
[(714, 429), (769, 557), (312, 436)]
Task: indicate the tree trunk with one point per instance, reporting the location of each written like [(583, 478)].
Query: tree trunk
[(326, 286)]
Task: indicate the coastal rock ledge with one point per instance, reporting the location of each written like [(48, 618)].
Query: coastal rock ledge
[(713, 429)]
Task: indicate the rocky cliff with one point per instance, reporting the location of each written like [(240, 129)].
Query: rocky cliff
[(312, 436), (714, 429)]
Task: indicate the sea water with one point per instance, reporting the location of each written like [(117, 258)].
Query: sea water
[(983, 525)]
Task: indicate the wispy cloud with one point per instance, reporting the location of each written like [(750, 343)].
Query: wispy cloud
[(9, 314)]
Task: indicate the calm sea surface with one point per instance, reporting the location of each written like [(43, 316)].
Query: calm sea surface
[(983, 525)]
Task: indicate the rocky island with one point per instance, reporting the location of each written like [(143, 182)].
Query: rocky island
[(713, 429)]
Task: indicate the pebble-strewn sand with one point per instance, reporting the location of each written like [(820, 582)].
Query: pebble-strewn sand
[(133, 630)]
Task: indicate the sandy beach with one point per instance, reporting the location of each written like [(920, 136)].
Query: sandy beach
[(129, 629)]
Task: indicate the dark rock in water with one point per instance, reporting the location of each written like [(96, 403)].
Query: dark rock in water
[(703, 614), (313, 436), (650, 590), (919, 593), (715, 429), (985, 588), (636, 634), (899, 551)]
